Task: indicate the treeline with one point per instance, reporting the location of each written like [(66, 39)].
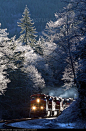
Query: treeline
[(41, 12)]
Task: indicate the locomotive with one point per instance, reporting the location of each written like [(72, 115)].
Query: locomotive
[(42, 105)]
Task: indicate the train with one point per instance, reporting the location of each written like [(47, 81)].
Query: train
[(42, 105)]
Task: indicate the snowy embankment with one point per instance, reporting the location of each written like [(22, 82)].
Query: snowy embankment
[(71, 115), (67, 120), (42, 124)]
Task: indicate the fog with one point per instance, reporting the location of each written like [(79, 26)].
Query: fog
[(60, 92)]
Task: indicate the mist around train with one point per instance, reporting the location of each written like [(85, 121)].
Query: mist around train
[(61, 92)]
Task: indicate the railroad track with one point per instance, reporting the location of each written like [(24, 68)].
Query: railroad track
[(15, 120), (7, 122)]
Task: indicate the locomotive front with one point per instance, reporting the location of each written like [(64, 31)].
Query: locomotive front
[(38, 105)]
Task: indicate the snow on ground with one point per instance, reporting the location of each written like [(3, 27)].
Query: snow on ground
[(1, 126), (71, 115), (67, 120), (42, 124)]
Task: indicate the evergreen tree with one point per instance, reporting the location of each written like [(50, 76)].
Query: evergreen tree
[(27, 30), (39, 46)]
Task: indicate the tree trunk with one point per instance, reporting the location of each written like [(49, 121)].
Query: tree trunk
[(69, 49)]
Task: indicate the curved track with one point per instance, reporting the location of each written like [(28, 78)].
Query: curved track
[(6, 126), (7, 122)]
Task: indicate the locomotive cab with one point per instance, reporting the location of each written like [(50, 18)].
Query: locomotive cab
[(38, 105)]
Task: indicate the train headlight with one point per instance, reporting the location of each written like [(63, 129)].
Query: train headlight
[(38, 100), (34, 107), (42, 107)]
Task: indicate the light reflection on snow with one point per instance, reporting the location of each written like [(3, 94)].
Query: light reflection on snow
[(66, 125), (25, 125), (51, 118), (43, 125)]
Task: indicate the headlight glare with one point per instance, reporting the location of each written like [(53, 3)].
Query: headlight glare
[(42, 107), (38, 100), (34, 107)]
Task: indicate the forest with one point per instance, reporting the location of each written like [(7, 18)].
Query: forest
[(51, 57), (41, 12)]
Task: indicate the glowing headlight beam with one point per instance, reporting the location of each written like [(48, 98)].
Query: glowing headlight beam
[(34, 108), (42, 107), (38, 100)]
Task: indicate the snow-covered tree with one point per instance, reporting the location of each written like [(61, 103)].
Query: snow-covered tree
[(35, 80), (31, 60), (39, 47), (27, 29), (64, 32), (4, 57), (68, 76), (11, 61), (54, 61), (80, 55), (80, 10)]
